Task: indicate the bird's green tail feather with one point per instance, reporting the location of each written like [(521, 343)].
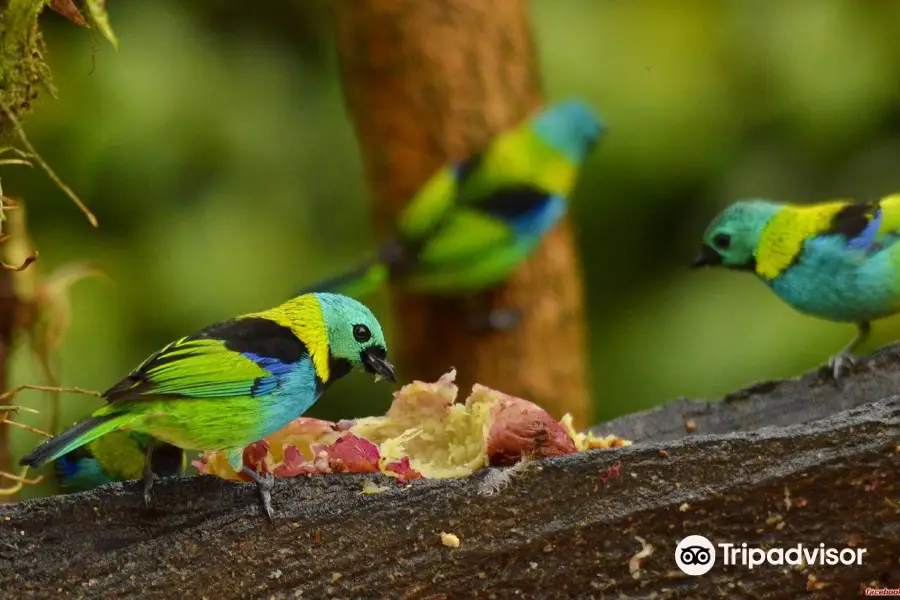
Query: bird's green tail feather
[(358, 282), (83, 433)]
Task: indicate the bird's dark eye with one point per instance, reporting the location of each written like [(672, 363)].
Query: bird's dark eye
[(722, 241), (361, 333)]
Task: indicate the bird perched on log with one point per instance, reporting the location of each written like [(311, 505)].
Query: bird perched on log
[(236, 382), (118, 456), (836, 260), (474, 222)]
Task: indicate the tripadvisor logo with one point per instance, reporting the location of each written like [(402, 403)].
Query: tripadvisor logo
[(696, 555)]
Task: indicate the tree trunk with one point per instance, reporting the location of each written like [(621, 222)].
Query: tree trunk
[(428, 82)]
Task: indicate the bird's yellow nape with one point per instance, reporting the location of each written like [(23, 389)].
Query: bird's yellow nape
[(782, 239), (303, 316)]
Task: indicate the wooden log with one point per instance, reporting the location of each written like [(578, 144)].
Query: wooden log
[(568, 527)]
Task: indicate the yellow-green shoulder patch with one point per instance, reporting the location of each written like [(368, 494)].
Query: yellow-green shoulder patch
[(890, 214), (519, 157), (782, 239)]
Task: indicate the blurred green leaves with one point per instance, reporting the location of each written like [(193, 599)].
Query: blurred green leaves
[(96, 10), (100, 18)]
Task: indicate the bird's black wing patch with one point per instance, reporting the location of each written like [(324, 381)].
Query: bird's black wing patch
[(255, 335), (513, 202), (258, 336), (852, 220)]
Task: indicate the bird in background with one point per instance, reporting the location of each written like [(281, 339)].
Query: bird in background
[(117, 456), (235, 382), (836, 260), (473, 223)]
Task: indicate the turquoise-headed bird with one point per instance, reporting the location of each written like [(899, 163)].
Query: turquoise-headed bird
[(117, 456), (473, 223), (236, 382), (836, 260)]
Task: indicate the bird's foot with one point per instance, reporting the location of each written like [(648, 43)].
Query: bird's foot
[(148, 479), (265, 484), (504, 319), (841, 363), (499, 319)]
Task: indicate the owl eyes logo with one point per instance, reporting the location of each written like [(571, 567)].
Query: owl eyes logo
[(695, 555)]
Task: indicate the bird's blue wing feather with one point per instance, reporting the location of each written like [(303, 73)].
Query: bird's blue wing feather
[(269, 383), (866, 238)]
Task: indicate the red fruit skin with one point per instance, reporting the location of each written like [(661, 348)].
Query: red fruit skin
[(295, 464), (350, 454), (403, 469), (255, 457), (522, 427)]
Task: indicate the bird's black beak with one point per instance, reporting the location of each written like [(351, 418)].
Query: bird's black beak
[(707, 258), (374, 360)]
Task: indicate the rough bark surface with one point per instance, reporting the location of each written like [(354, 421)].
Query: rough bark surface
[(562, 528), (782, 402), (428, 82)]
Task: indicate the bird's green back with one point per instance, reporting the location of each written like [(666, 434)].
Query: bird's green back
[(513, 157)]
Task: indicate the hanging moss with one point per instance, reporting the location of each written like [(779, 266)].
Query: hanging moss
[(23, 72)]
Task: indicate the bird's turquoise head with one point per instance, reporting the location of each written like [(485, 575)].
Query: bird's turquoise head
[(571, 127), (732, 238), (355, 339)]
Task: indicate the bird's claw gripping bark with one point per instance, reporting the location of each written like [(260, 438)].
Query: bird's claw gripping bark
[(844, 361), (483, 318), (148, 475), (265, 484), (148, 478), (265, 495), (504, 319), (841, 363), (499, 319)]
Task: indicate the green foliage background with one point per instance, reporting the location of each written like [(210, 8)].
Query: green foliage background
[(214, 147)]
